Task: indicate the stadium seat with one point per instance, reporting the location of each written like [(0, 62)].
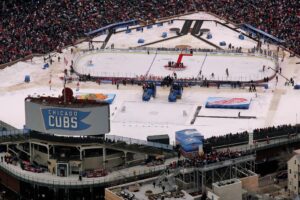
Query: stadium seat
[(241, 37), (209, 36), (27, 79), (223, 43), (141, 41)]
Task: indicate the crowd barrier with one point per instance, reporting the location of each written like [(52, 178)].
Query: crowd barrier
[(112, 26), (51, 180), (14, 132), (253, 30), (133, 78), (128, 140)]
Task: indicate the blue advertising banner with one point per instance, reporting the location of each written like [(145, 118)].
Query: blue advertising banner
[(64, 119)]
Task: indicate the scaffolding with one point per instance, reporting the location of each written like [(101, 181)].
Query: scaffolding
[(198, 178)]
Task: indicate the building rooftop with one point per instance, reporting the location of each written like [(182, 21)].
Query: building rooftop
[(145, 190)]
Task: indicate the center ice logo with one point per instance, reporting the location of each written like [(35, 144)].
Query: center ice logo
[(64, 119)]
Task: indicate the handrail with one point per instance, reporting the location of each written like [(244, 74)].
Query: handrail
[(48, 179), (111, 76), (137, 141)]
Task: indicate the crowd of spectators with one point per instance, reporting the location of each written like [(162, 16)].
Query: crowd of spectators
[(269, 132), (228, 139), (46, 25), (208, 158), (258, 134), (285, 24)]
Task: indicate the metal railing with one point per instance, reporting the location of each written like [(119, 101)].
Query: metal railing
[(73, 181), (128, 140), (262, 143), (109, 76), (14, 132)]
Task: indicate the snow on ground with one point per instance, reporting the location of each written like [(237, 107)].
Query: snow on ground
[(126, 40), (288, 114), (160, 117), (219, 32), (200, 16), (222, 33), (183, 40), (153, 112), (17, 73), (131, 117), (133, 64)]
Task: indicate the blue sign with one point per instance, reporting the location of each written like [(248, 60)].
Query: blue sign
[(64, 119)]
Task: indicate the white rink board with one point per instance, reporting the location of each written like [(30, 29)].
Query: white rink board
[(135, 64)]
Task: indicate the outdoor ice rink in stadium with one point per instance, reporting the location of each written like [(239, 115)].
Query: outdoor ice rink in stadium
[(270, 105)]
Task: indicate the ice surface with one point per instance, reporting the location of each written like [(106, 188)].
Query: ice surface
[(133, 64)]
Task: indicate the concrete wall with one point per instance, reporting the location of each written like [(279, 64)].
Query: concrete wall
[(229, 191), (111, 196), (250, 183), (112, 160), (40, 157), (9, 182), (183, 185), (52, 166), (211, 195), (293, 174), (92, 163)]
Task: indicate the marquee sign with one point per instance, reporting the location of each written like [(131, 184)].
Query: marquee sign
[(64, 119), (67, 120)]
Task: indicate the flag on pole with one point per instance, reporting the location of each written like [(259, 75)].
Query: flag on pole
[(65, 61)]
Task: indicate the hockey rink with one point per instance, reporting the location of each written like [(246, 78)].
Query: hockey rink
[(133, 64)]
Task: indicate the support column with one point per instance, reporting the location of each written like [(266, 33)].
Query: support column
[(83, 156), (125, 157), (80, 154), (104, 157), (203, 182), (92, 193), (235, 172), (30, 152), (55, 195), (67, 194), (48, 151)]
